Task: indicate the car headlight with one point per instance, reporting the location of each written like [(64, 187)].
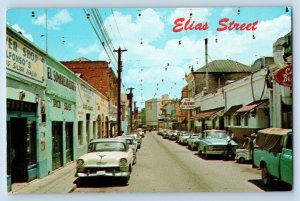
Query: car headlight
[(210, 148), (80, 163), (123, 162)]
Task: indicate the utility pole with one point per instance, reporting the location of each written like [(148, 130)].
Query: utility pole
[(135, 115), (206, 61), (130, 96), (119, 51)]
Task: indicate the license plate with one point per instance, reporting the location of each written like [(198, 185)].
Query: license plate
[(100, 173)]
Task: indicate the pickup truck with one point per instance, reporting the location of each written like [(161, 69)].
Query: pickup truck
[(274, 155)]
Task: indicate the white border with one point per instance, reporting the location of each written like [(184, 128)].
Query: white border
[(274, 196)]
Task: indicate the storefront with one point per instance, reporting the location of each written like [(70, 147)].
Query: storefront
[(25, 91), (60, 107), (88, 115)]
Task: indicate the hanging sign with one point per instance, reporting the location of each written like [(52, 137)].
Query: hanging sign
[(284, 75), (187, 104)]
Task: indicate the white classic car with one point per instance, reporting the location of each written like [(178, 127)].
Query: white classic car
[(111, 157)]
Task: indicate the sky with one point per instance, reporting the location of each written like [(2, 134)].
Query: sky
[(154, 63)]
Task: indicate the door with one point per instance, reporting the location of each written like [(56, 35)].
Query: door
[(18, 152), (57, 152), (286, 161), (221, 123), (69, 141)]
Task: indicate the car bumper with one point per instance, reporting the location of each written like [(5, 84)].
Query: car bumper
[(103, 174), (216, 152)]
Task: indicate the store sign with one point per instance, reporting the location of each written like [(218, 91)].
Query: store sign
[(187, 104), (23, 60), (284, 76)]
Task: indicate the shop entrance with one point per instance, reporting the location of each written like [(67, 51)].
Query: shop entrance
[(57, 151), (17, 145), (69, 141)]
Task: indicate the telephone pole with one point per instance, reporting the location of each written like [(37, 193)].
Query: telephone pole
[(130, 96), (119, 51)]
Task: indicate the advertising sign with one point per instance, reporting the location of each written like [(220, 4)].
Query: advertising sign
[(283, 76), (23, 60), (187, 104)]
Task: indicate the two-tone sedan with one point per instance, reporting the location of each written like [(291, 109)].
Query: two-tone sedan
[(215, 142), (108, 157)]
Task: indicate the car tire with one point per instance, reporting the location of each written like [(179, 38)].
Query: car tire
[(241, 160), (124, 180), (267, 179), (205, 153)]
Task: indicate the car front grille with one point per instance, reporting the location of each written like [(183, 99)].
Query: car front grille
[(219, 148), (106, 169)]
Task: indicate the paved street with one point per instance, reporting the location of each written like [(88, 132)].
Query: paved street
[(165, 166)]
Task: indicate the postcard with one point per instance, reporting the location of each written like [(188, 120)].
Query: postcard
[(109, 100)]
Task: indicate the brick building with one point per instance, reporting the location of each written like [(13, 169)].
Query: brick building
[(99, 75)]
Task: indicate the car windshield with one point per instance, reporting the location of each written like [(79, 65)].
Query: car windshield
[(195, 136), (106, 146), (216, 134)]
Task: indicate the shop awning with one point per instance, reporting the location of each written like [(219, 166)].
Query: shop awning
[(232, 110), (217, 114), (250, 106), (207, 113)]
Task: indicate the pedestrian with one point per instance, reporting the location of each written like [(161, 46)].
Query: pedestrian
[(229, 145)]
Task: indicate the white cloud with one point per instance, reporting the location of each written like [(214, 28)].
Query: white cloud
[(54, 22), (148, 27), (226, 11), (19, 29), (199, 14), (93, 48)]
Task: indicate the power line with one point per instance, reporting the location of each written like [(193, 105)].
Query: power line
[(118, 28)]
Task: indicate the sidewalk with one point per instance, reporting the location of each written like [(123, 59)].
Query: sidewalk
[(60, 181)]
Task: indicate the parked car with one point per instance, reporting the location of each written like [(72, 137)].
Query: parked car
[(137, 137), (132, 144), (215, 142), (141, 132), (172, 134), (109, 157), (160, 131), (274, 155), (165, 133), (179, 134), (183, 137), (191, 139)]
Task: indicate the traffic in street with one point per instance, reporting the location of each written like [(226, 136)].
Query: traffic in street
[(165, 166)]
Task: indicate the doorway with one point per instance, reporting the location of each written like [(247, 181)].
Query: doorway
[(17, 149), (69, 141), (57, 151)]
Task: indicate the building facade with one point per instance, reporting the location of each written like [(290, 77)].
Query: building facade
[(99, 75), (153, 112)]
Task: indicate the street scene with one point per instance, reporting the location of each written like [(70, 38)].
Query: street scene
[(107, 100)]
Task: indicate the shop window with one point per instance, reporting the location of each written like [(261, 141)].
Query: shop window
[(246, 119), (94, 130), (229, 120), (80, 137), (238, 120)]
